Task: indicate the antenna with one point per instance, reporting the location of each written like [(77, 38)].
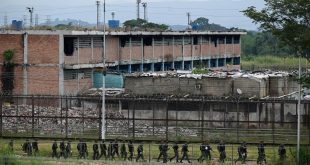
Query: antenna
[(98, 5), (188, 18), (30, 10), (138, 9), (48, 20), (36, 22), (113, 15), (144, 4), (5, 23)]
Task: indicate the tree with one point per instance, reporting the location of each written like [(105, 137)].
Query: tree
[(202, 23), (289, 20), (141, 23), (263, 43)]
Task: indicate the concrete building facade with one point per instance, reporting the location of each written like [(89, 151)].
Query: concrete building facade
[(63, 62)]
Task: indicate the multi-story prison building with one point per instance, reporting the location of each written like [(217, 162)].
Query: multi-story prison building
[(63, 62)]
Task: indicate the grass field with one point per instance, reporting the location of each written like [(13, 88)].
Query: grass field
[(150, 153), (272, 62)]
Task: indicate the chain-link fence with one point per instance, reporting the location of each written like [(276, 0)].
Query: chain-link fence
[(154, 119)]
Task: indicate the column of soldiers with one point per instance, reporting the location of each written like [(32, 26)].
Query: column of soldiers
[(65, 149), (112, 150), (30, 148)]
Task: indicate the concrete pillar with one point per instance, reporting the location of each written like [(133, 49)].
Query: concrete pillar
[(130, 54), (152, 67), (173, 53), (211, 114), (119, 106), (183, 53), (60, 66), (233, 44), (25, 66), (142, 56), (192, 53), (209, 63), (217, 62), (153, 53), (225, 52), (163, 54), (218, 46), (209, 51), (129, 68), (78, 54), (118, 54), (92, 47), (201, 37)]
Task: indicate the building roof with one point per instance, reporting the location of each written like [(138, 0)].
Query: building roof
[(122, 33)]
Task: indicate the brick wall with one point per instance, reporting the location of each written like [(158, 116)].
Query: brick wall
[(43, 80), (72, 87), (43, 49), (14, 42)]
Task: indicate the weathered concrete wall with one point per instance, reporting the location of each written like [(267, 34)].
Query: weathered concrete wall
[(219, 115), (282, 86), (205, 86)]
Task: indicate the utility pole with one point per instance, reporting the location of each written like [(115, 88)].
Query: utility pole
[(188, 18), (30, 10), (36, 22), (103, 110), (144, 4), (138, 9), (98, 5), (298, 111), (113, 15)]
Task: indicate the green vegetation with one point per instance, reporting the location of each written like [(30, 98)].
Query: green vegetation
[(287, 20), (271, 62), (200, 71), (8, 55), (7, 75), (263, 43), (203, 24), (141, 23)]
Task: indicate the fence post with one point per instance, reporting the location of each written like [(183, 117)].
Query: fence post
[(32, 116), (99, 118), (238, 117), (202, 118), (232, 154), (67, 109), (1, 119), (128, 119), (273, 124), (177, 118), (61, 123), (153, 111), (167, 119), (149, 152), (133, 119), (308, 109)]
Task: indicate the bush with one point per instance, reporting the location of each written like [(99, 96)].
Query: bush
[(8, 55), (200, 71)]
